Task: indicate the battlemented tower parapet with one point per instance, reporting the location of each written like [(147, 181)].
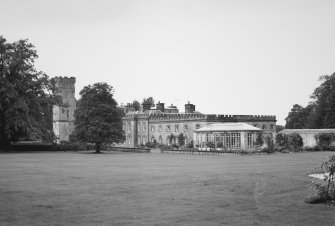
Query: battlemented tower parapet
[(63, 115)]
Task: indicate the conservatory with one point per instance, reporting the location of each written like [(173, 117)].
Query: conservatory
[(226, 136)]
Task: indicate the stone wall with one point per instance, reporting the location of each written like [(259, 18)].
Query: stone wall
[(308, 135)]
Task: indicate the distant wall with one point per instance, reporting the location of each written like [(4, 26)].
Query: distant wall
[(308, 135)]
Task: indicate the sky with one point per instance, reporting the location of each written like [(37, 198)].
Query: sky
[(226, 57)]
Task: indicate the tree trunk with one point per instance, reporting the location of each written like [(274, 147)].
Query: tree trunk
[(97, 147)]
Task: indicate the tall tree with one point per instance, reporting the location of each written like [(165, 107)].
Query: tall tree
[(324, 100), (149, 100), (26, 95), (181, 140), (98, 119), (320, 112), (297, 117)]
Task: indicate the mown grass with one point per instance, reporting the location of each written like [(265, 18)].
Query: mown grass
[(159, 189)]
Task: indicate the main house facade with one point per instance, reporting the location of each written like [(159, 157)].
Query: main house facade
[(159, 124)]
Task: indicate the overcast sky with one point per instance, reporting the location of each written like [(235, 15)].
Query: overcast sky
[(226, 57)]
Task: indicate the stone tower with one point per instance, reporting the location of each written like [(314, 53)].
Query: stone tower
[(63, 115)]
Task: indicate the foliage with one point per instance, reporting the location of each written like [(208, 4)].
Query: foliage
[(325, 140), (259, 139), (149, 100), (292, 142), (326, 190), (136, 105), (151, 144), (190, 144), (324, 99), (64, 146), (281, 140), (171, 138), (269, 141), (219, 145), (295, 142), (98, 119), (279, 128), (320, 112), (26, 95), (181, 140), (297, 117), (210, 144)]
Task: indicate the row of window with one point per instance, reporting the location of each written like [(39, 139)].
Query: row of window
[(264, 127), (168, 128), (169, 141), (142, 127)]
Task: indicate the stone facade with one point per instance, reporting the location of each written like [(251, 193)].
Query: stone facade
[(63, 115), (149, 125)]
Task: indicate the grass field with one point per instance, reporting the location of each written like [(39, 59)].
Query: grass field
[(159, 189)]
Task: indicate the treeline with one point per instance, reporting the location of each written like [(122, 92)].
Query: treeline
[(320, 112)]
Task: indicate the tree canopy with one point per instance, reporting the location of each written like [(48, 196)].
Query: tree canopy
[(136, 105), (98, 119), (320, 112), (26, 95), (149, 100)]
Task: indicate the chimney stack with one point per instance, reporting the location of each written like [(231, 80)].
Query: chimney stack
[(189, 108), (160, 106), (146, 106)]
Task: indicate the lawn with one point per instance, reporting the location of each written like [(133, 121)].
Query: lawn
[(75, 188)]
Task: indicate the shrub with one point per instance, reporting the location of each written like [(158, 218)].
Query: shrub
[(210, 144), (325, 141), (190, 145), (295, 142), (281, 140), (292, 142), (326, 190), (259, 139), (150, 144), (219, 145)]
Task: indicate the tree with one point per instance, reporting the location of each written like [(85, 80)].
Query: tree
[(324, 99), (149, 100), (171, 138), (297, 118), (279, 128), (26, 95), (181, 140), (136, 105), (320, 112), (98, 119)]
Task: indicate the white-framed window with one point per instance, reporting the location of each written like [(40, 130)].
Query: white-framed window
[(197, 126), (176, 128), (185, 128), (129, 130), (168, 128), (249, 140), (160, 140), (272, 127), (264, 127), (160, 128), (152, 128), (152, 139)]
